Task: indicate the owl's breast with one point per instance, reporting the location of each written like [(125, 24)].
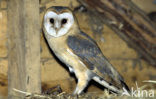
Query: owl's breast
[(58, 45), (65, 54)]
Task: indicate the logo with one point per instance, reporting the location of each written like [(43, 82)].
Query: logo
[(138, 92)]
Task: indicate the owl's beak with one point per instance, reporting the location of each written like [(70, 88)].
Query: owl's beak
[(57, 27)]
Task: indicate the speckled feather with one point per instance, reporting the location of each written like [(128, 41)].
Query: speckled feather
[(89, 53)]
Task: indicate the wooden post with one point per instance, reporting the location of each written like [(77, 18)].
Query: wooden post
[(24, 47)]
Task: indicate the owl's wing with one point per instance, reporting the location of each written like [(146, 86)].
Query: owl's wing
[(90, 54)]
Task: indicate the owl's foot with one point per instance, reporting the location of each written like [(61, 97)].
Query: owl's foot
[(80, 86)]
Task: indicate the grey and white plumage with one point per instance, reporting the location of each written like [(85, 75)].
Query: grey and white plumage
[(79, 51)]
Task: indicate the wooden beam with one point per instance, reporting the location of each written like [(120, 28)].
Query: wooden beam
[(129, 22), (24, 47)]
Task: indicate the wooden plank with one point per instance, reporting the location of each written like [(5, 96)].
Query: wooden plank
[(24, 47), (129, 22)]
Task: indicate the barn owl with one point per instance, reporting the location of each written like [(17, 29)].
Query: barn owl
[(79, 51)]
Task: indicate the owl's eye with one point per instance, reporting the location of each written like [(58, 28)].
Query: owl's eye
[(51, 20), (64, 21)]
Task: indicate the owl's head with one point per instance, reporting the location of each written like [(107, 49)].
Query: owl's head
[(58, 20)]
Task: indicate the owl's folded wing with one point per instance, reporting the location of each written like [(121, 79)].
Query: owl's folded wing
[(90, 54)]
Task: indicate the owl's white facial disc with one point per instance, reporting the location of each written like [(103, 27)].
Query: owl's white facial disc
[(58, 24)]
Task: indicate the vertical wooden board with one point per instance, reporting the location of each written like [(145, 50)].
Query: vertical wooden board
[(32, 30), (24, 47)]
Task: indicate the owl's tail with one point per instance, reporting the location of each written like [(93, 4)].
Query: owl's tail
[(111, 87)]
